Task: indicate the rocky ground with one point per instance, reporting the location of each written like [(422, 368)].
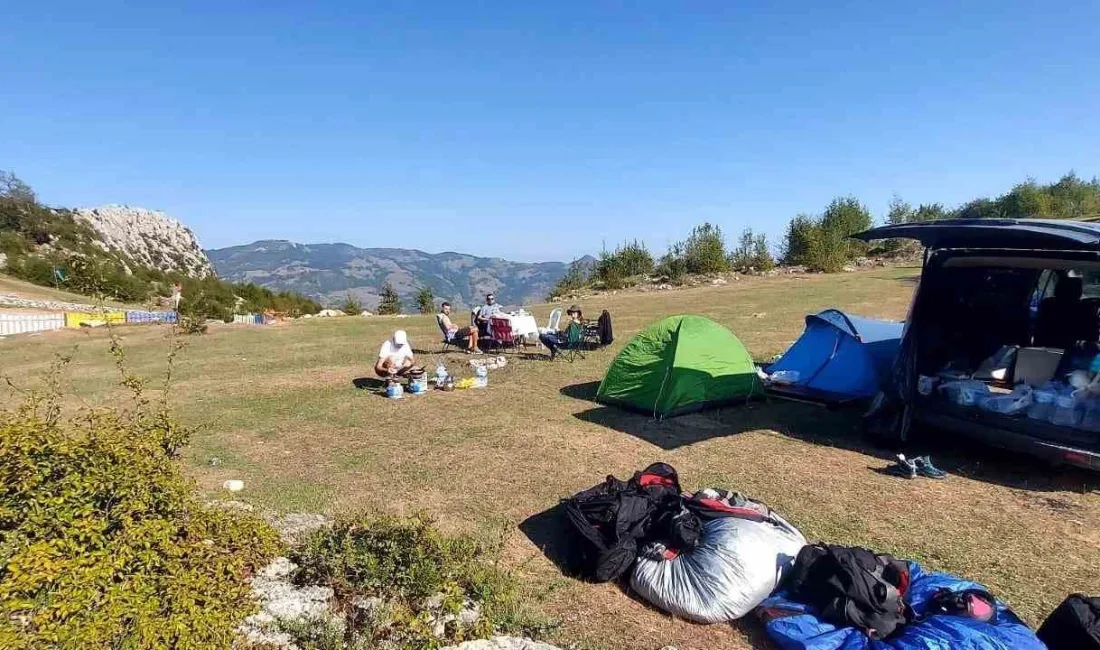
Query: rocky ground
[(150, 237), (17, 302), (284, 605)]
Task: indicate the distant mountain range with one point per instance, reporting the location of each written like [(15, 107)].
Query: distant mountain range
[(329, 272)]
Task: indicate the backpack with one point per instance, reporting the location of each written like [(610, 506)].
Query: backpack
[(1073, 625), (610, 520), (852, 586)]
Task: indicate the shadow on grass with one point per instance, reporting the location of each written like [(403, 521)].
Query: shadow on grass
[(837, 428), (585, 390), (368, 383)]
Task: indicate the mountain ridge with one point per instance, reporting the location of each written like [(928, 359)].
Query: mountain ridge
[(332, 271)]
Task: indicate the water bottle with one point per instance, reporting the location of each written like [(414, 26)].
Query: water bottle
[(440, 374), (394, 390), (482, 377), (1042, 404), (1066, 413)]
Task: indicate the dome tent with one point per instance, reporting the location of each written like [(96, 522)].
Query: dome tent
[(841, 356), (679, 365)]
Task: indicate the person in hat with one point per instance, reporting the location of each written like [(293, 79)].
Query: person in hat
[(554, 340), (395, 358)]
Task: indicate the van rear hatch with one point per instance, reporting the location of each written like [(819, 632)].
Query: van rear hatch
[(1008, 234)]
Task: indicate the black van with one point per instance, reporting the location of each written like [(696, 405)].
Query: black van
[(994, 288)]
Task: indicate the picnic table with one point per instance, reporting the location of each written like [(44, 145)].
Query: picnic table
[(523, 325)]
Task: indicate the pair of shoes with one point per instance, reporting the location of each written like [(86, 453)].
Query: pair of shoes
[(926, 469), (903, 468)]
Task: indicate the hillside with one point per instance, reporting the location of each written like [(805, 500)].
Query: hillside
[(329, 272)]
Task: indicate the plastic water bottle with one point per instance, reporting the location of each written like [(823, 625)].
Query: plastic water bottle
[(482, 377), (1042, 404), (440, 374), (394, 390), (1066, 413)]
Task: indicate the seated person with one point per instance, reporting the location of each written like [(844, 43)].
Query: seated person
[(554, 340), (395, 358), (465, 337), (487, 311)]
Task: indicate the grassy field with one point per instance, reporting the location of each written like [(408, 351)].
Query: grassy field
[(278, 406)]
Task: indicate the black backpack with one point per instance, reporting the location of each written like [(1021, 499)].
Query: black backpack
[(852, 586), (1073, 625), (612, 519)]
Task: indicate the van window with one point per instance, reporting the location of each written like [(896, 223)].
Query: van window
[(1092, 284)]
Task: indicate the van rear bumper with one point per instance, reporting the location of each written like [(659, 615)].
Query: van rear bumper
[(1054, 452)]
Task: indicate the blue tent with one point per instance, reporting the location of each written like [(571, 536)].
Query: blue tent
[(842, 356)]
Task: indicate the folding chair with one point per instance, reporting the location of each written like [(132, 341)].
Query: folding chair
[(574, 342), (592, 335), (447, 343), (500, 330)]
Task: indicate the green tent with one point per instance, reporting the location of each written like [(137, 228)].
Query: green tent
[(679, 365)]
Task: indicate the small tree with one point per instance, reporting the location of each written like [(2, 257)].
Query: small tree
[(801, 232), (762, 259), (844, 217), (11, 187), (576, 276), (352, 306), (425, 300), (672, 265), (705, 250), (390, 302)]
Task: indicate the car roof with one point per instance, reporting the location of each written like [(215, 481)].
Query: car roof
[(1027, 234)]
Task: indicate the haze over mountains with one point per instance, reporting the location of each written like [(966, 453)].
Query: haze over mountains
[(330, 272)]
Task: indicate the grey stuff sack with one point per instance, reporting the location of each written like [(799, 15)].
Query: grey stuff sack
[(736, 565)]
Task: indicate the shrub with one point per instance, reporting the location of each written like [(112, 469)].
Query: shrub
[(672, 264), (352, 306), (704, 251), (103, 542), (425, 300), (576, 276), (415, 569)]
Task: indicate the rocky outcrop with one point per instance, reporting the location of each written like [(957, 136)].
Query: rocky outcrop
[(150, 238)]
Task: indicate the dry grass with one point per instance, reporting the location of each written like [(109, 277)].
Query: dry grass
[(279, 409)]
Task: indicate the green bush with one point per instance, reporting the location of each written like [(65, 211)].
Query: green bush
[(103, 542), (752, 253), (704, 251), (389, 301), (576, 277), (352, 306), (408, 562)]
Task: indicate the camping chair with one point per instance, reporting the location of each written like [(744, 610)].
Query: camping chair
[(592, 335), (574, 344), (500, 332), (447, 343)]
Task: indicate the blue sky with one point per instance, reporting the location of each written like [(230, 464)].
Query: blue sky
[(537, 130)]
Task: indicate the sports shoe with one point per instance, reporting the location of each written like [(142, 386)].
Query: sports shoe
[(903, 468), (927, 469)]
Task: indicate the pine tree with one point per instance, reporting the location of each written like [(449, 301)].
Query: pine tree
[(425, 300), (390, 303)]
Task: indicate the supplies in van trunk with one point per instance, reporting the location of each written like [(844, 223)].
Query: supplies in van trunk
[(999, 366), (965, 392), (1042, 402), (1012, 403), (1036, 366)]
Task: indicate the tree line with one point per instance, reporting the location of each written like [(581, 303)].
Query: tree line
[(822, 242)]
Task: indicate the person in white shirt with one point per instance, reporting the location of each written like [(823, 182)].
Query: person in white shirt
[(487, 311), (395, 358)]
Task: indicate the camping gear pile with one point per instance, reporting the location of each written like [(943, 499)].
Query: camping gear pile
[(708, 557), (679, 365), (714, 556)]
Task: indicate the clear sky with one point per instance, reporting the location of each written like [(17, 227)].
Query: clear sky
[(536, 130)]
